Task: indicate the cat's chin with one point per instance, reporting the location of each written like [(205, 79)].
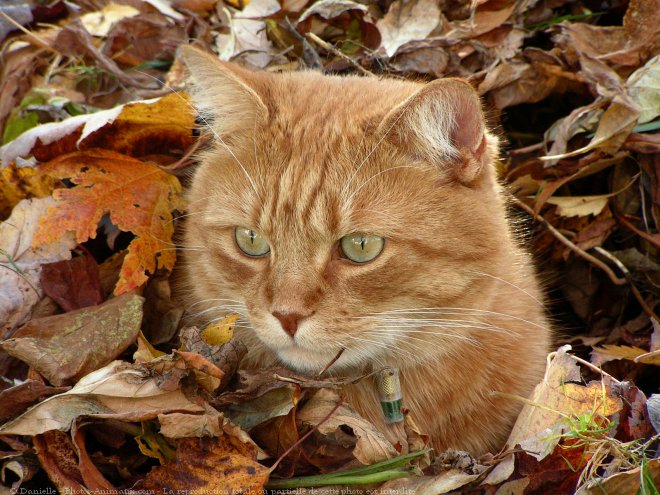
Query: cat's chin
[(302, 359), (308, 361)]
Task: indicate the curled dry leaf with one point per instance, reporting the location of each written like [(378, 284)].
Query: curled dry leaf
[(227, 357), (139, 196), (172, 368), (58, 346), (118, 391), (248, 34), (644, 89), (624, 45), (371, 446), (58, 458), (449, 481), (73, 284), (20, 263), (329, 9), (274, 403), (18, 398), (407, 21)]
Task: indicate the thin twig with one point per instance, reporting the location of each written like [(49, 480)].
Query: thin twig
[(329, 48), (642, 357), (626, 223), (39, 41), (647, 309), (593, 367), (566, 242), (334, 360), (341, 382), (185, 160)]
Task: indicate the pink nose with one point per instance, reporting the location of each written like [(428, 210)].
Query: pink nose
[(289, 321)]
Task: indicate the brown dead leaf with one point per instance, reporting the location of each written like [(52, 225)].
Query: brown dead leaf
[(596, 232), (143, 38), (556, 474), (20, 62), (20, 264), (93, 479), (209, 463), (58, 346), (179, 425), (513, 83), (627, 483), (329, 9), (449, 481), (74, 283), (628, 44), (139, 197), (405, 22), (58, 458), (75, 41), (161, 314), (371, 447), (207, 374), (172, 368), (423, 57), (272, 404), (227, 356), (15, 400), (255, 383), (118, 391)]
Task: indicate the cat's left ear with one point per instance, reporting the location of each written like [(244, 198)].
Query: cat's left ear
[(225, 94), (442, 123)]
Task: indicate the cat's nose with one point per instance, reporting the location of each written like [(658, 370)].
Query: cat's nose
[(289, 321)]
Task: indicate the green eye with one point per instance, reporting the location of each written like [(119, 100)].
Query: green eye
[(250, 242), (361, 248)]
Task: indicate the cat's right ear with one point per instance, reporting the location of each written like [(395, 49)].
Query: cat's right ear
[(443, 124), (225, 95)]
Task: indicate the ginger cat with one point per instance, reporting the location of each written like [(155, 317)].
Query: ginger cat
[(365, 214)]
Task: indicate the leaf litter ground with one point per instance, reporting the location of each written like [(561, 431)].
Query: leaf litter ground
[(93, 98)]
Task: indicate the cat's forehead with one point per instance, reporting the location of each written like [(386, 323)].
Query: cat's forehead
[(310, 96)]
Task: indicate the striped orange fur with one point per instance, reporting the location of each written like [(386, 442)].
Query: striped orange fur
[(304, 159)]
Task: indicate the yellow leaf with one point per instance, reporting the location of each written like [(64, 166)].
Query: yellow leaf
[(18, 183), (145, 351), (220, 332), (238, 4), (607, 352)]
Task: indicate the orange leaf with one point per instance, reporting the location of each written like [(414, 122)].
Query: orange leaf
[(138, 196), (209, 465)]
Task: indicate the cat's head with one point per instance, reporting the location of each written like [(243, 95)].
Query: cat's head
[(330, 211)]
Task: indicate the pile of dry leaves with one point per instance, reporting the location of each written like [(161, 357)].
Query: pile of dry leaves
[(98, 388)]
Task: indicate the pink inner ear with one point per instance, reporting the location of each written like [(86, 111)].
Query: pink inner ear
[(467, 134)]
